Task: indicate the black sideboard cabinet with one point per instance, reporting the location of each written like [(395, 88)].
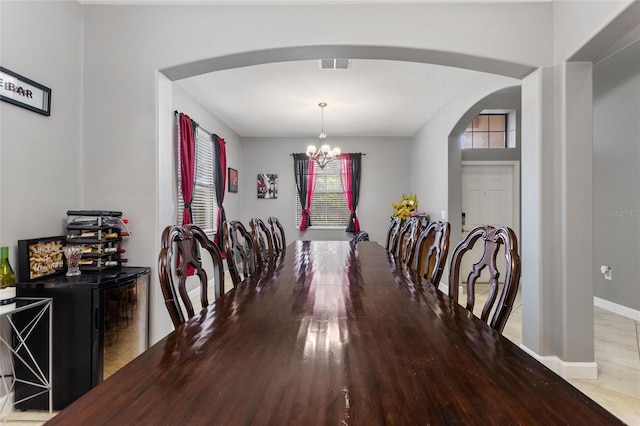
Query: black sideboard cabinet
[(100, 323)]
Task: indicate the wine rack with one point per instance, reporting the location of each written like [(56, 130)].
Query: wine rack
[(100, 233)]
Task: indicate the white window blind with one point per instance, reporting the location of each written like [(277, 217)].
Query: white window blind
[(328, 207), (203, 206)]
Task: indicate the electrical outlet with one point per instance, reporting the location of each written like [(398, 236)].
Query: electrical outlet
[(606, 271)]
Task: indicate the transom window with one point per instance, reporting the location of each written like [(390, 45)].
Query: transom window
[(328, 207), (486, 131)]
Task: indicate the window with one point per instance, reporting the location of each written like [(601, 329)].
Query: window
[(328, 207), (203, 206), (486, 131)]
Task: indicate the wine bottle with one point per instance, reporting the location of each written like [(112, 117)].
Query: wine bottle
[(109, 250), (115, 262), (7, 278)]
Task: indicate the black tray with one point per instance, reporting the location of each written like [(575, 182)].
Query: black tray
[(93, 213)]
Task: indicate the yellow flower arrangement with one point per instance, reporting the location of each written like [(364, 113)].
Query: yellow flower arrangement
[(407, 207)]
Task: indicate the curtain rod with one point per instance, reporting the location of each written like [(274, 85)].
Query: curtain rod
[(176, 112), (361, 153)]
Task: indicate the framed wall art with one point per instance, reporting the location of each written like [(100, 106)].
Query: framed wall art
[(25, 93), (267, 185), (233, 180)]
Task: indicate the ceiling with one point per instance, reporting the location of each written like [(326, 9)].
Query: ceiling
[(294, 2), (280, 99), (371, 98)]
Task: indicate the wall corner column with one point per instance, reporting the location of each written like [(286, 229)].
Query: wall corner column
[(537, 236), (557, 223), (576, 103)]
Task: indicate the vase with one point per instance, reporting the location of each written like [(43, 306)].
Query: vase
[(72, 254)]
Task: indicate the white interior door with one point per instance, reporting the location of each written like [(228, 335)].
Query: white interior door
[(490, 196)]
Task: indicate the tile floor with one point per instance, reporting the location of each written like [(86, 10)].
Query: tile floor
[(617, 353)]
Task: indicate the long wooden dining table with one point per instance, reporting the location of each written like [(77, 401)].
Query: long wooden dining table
[(334, 334)]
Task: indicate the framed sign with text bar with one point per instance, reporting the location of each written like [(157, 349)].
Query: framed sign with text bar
[(23, 92)]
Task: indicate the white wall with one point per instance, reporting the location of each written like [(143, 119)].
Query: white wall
[(39, 155), (40, 163), (575, 25), (385, 177), (616, 173)]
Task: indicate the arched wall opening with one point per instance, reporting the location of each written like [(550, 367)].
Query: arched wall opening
[(166, 77), (509, 99), (391, 53)]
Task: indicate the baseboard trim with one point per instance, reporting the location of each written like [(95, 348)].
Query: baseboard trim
[(443, 287), (566, 370), (616, 308)]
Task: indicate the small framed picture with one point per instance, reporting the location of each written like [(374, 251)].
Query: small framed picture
[(233, 180), (267, 185)]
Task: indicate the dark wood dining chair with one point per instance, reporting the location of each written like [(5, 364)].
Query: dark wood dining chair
[(263, 243), (407, 241), (392, 234), (493, 239), (180, 256), (279, 239), (239, 251), (431, 250)]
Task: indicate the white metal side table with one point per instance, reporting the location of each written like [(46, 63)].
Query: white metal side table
[(36, 308)]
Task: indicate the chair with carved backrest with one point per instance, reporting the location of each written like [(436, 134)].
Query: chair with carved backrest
[(263, 242), (392, 234), (494, 239), (431, 250), (405, 239), (180, 255), (279, 239), (239, 251)]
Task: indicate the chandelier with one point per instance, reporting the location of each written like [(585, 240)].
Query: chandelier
[(325, 155)]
